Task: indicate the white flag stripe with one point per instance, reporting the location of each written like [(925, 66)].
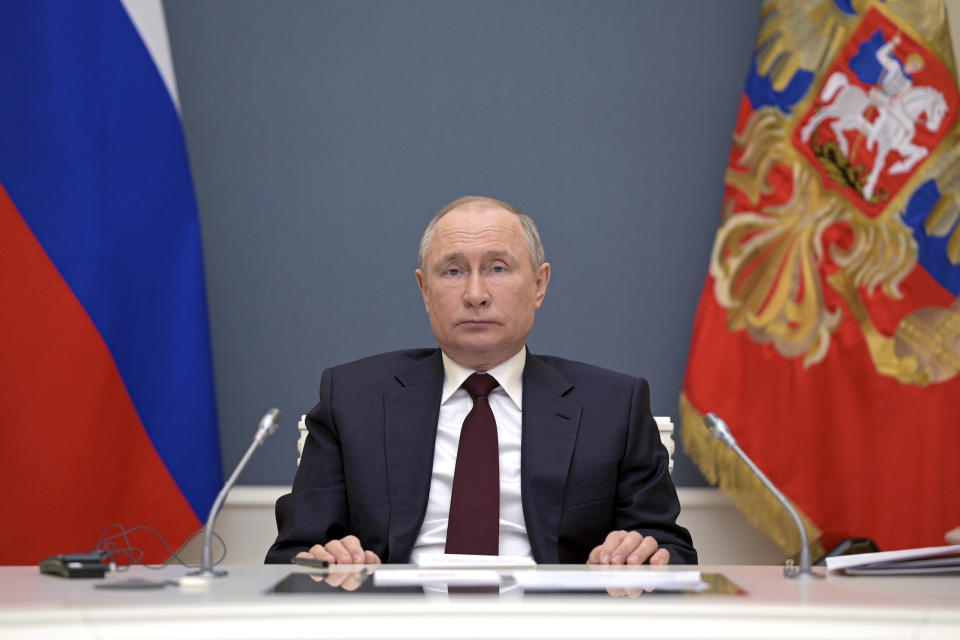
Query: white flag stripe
[(148, 18)]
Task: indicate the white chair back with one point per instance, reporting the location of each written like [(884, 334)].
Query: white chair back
[(664, 424)]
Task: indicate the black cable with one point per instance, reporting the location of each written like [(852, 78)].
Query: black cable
[(124, 549)]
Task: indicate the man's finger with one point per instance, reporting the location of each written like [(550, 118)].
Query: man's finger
[(340, 553), (370, 557), (605, 550), (594, 557), (644, 550), (317, 551), (662, 556), (628, 545), (354, 548)]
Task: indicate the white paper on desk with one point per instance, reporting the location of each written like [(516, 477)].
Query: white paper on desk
[(459, 577), (433, 560), (610, 579), (836, 563)]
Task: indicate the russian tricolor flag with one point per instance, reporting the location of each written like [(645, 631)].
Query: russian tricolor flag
[(106, 389)]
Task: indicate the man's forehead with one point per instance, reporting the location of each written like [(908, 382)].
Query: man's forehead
[(487, 254), (490, 230), (477, 209), (479, 220)]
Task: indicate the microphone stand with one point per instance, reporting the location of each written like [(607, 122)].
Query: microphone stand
[(719, 430), (268, 424)]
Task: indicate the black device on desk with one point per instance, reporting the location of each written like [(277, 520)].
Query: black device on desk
[(75, 565), (310, 562)]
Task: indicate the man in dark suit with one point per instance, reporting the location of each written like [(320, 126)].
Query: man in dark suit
[(552, 459)]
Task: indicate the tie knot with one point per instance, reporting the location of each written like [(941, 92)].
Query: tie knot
[(480, 385)]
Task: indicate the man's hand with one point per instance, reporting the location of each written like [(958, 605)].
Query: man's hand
[(952, 536), (628, 547), (343, 551)]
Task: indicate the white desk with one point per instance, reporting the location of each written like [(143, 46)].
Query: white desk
[(237, 606)]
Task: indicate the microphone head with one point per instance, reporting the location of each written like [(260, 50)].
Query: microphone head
[(270, 421), (718, 428)]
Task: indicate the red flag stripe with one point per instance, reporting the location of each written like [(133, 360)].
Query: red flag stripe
[(83, 458)]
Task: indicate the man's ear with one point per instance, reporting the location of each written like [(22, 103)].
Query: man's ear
[(543, 279), (423, 290)]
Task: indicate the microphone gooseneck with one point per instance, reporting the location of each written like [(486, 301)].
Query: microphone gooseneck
[(719, 430), (268, 424)]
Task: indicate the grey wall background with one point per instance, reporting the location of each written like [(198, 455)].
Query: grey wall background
[(324, 135)]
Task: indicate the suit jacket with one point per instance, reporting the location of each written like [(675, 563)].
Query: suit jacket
[(591, 460)]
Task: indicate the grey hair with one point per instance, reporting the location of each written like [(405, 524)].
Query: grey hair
[(530, 234)]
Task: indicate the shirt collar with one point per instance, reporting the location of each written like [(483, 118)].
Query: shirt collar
[(509, 374)]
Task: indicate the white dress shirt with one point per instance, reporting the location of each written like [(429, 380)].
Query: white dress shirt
[(506, 401)]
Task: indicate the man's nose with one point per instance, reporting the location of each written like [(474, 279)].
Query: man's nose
[(476, 294)]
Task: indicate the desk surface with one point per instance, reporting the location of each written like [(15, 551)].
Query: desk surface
[(240, 605)]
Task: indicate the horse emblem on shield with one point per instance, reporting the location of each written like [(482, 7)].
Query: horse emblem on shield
[(875, 119), (845, 202)]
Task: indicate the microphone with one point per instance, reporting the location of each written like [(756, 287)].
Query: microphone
[(719, 430), (268, 424)]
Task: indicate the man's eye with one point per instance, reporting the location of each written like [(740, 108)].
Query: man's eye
[(499, 269), (452, 272)]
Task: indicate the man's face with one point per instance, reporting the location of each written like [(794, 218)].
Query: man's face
[(479, 285)]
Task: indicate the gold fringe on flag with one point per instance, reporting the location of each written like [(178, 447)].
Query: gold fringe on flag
[(723, 468)]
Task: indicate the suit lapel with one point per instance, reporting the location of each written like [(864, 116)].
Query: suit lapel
[(550, 426), (411, 413)]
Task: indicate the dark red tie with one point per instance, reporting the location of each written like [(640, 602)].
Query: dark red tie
[(474, 524)]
